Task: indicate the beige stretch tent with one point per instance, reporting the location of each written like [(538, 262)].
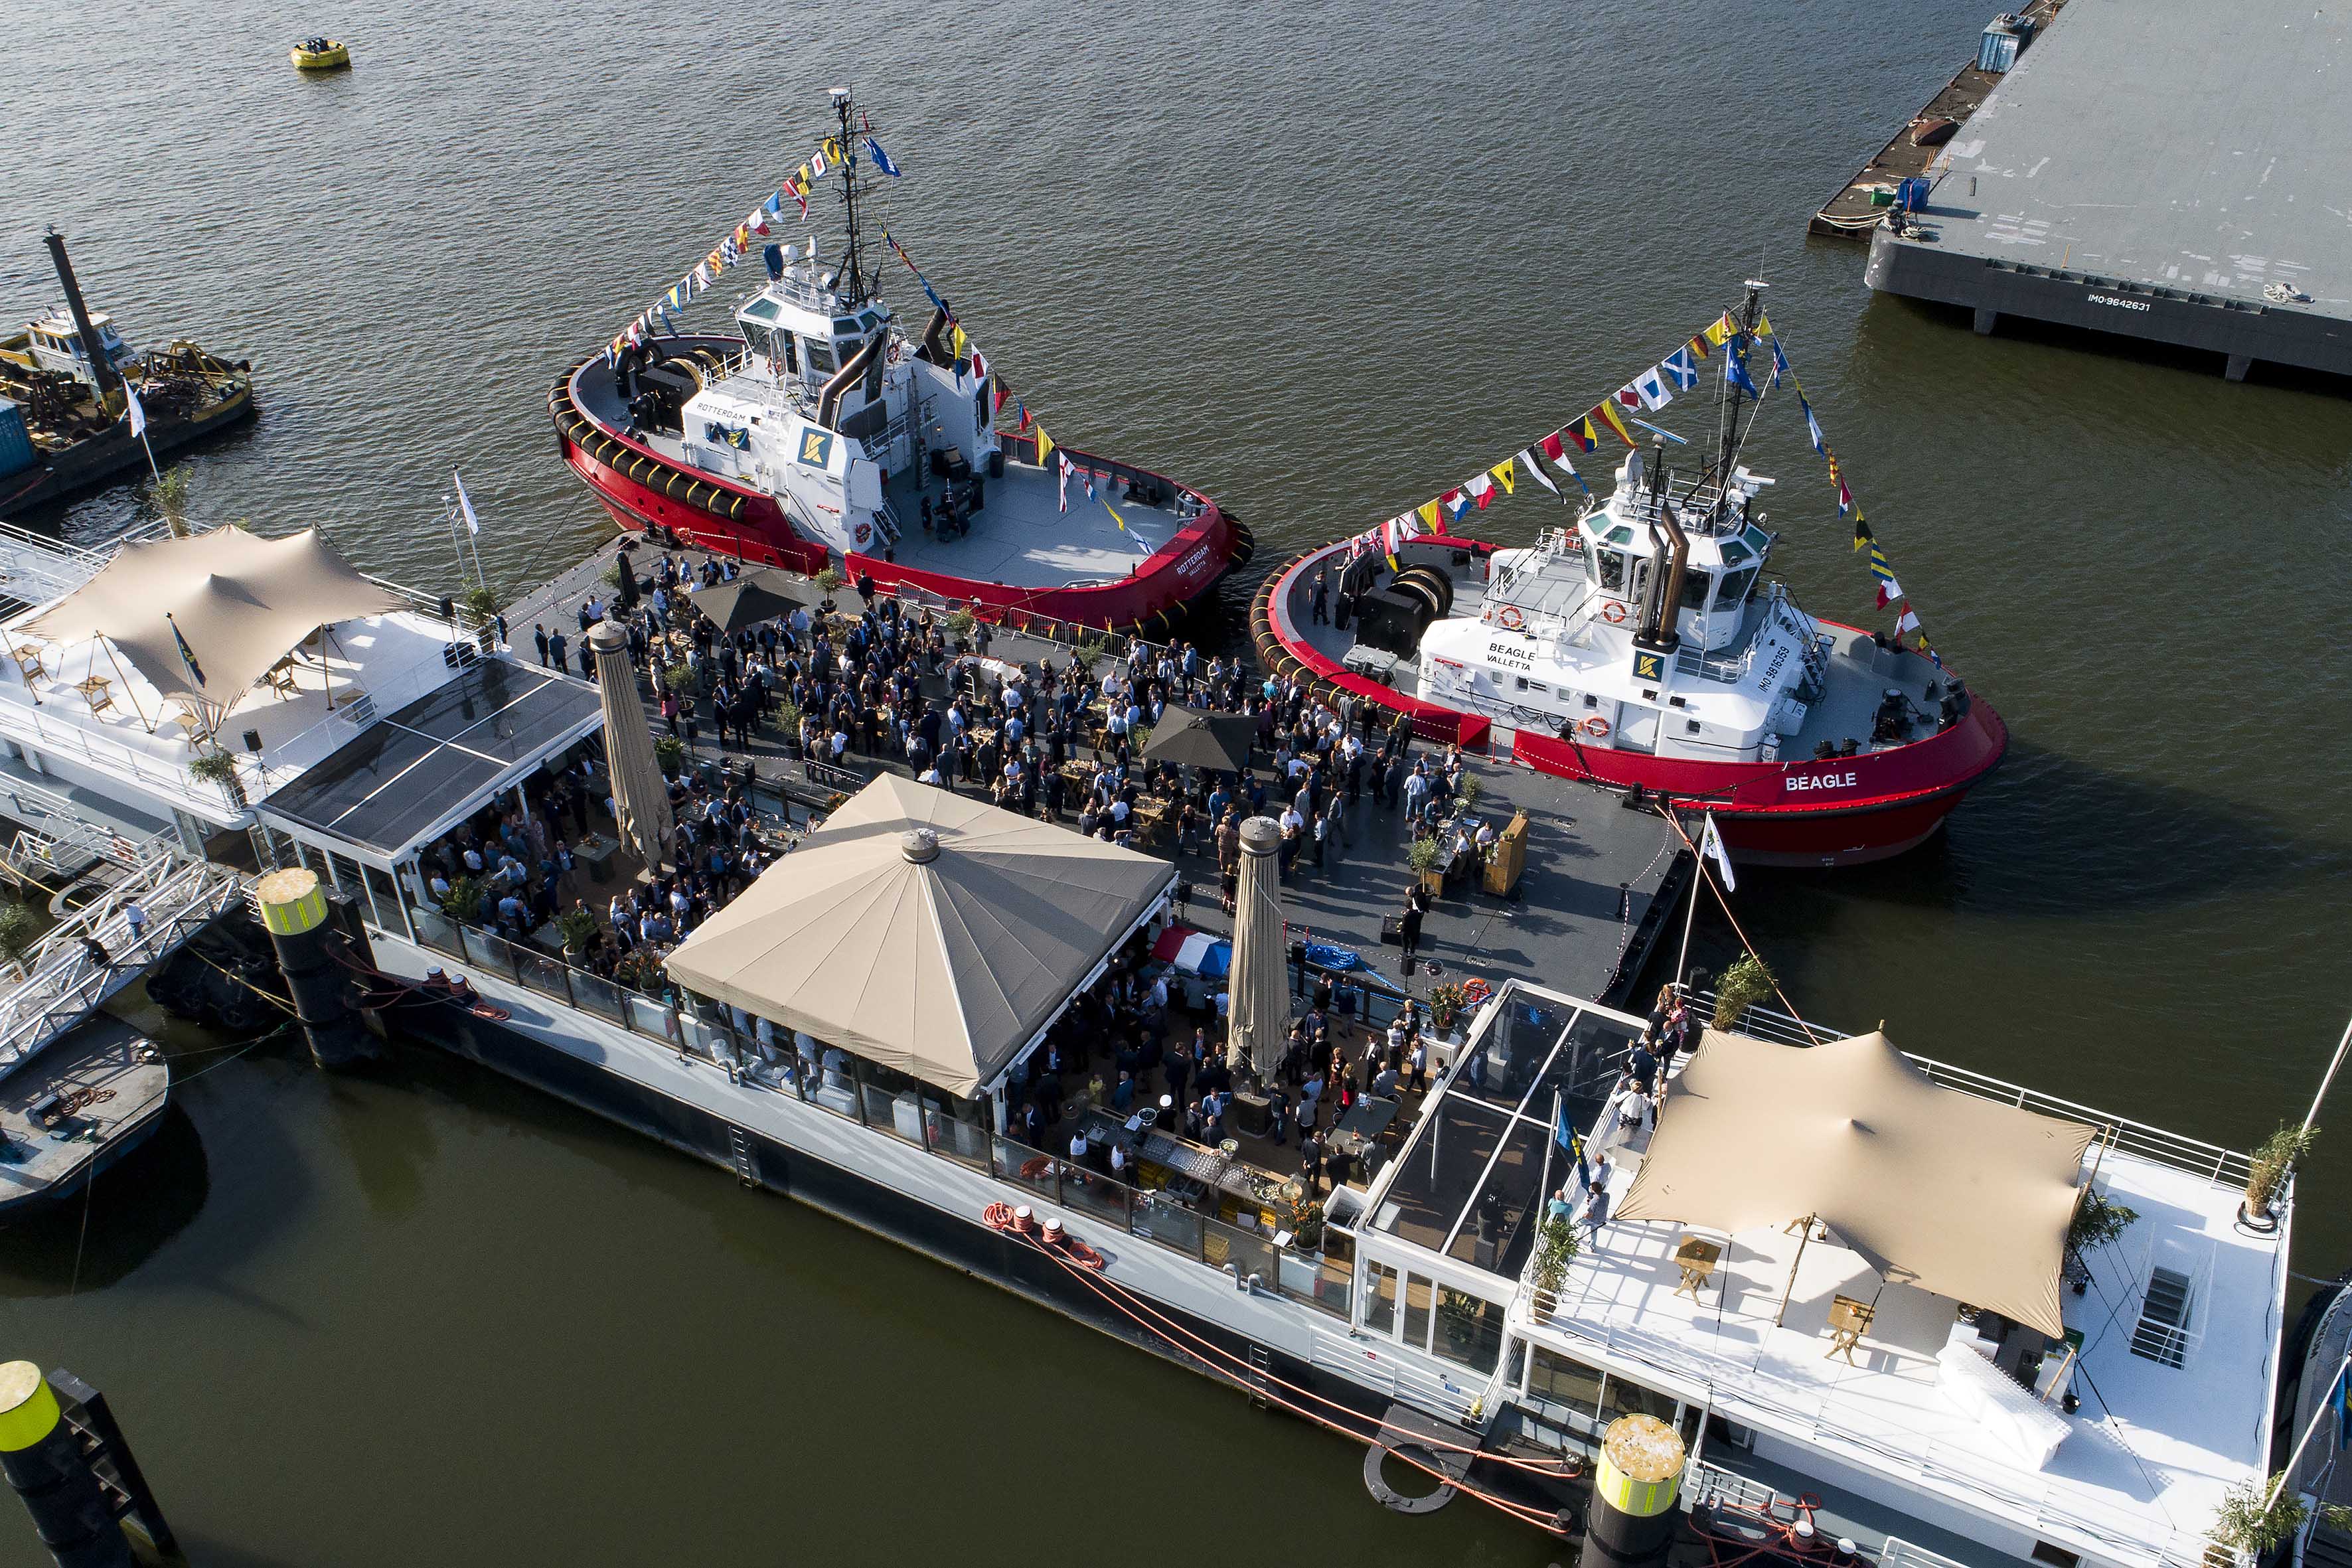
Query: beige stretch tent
[(925, 930), (241, 603), (1934, 1188)]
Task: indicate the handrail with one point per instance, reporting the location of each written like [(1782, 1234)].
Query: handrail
[(2226, 1168)]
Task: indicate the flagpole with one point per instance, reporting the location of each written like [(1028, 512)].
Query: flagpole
[(1543, 1194), (1690, 916), (153, 470)]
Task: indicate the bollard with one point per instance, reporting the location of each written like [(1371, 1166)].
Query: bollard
[(1633, 1519), (294, 910), (45, 1467)]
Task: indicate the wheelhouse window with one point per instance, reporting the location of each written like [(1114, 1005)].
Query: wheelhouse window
[(820, 357), (1694, 586), (1612, 571), (1733, 589), (758, 338)]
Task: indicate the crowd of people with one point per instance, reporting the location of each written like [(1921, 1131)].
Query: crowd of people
[(1128, 1047)]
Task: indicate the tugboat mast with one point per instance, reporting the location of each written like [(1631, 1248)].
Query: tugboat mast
[(1728, 423), (854, 291)]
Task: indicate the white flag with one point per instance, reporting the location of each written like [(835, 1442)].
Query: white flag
[(466, 506), (138, 413), (1652, 388), (1710, 844), (1528, 465)]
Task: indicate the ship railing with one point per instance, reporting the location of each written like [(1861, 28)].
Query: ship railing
[(1744, 1392), (1728, 670), (64, 980), (1703, 1483), (2223, 1167), (900, 1109)]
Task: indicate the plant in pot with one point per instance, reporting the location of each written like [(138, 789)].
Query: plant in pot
[(1468, 789), (1748, 981), (1447, 1004), (219, 768), (829, 579), (481, 602), (2096, 1222), (1427, 858), (960, 624), (1556, 1248), (787, 721), (1307, 1234), (670, 753), (462, 901), (2256, 1518), (578, 925), (2266, 1177), (678, 676)]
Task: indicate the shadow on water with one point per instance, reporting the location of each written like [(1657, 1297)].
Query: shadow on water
[(148, 1199), (2049, 836)]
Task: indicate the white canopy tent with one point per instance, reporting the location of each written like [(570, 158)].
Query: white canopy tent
[(925, 930), (205, 617), (1934, 1188)]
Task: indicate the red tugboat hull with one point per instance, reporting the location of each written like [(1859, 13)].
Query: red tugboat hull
[(647, 491), (1846, 811)]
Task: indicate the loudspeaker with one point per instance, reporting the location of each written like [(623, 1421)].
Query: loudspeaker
[(253, 742)]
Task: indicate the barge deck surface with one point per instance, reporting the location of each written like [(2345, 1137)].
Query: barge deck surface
[(1566, 929)]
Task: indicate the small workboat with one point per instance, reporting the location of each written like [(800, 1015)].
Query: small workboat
[(320, 55)]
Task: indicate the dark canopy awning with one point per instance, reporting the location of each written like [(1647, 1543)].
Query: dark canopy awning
[(1192, 739)]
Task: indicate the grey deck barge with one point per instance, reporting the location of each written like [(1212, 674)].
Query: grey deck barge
[(2154, 169), (122, 1085)]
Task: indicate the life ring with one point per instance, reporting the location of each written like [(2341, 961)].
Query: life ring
[(1474, 991), (1613, 612), (865, 534), (1509, 618), (1595, 728)]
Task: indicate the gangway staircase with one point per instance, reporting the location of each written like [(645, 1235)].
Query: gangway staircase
[(61, 981)]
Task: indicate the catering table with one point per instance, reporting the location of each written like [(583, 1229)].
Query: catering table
[(1362, 1126)]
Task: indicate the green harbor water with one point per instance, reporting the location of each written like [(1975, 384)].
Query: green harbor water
[(1323, 262)]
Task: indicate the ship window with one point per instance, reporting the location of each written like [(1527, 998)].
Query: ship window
[(1734, 553), (867, 321), (1623, 1398), (1757, 540), (1564, 1381), (1612, 571), (1379, 1300), (789, 344), (1735, 588), (820, 357), (1695, 585), (757, 337), (845, 327), (760, 310), (2057, 1557), (1590, 700), (1624, 535)]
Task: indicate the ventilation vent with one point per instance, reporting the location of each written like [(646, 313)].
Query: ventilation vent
[(2163, 1332)]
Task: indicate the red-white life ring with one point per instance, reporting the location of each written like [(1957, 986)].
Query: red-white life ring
[(1595, 728), (865, 532), (1613, 612), (1509, 618)]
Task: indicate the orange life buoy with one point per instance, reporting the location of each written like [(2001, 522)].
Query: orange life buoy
[(1595, 727), (1511, 618), (1613, 612)]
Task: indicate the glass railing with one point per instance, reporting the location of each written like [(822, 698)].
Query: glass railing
[(1326, 1284)]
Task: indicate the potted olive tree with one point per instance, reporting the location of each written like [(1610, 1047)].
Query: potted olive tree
[(2256, 1518), (1748, 981), (2098, 1221), (20, 931), (1556, 1248), (670, 753), (1427, 858), (578, 926), (219, 768), (2266, 1177)]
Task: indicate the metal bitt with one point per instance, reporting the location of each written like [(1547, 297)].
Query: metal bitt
[(1633, 1518), (45, 1467), (294, 913), (101, 368)]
